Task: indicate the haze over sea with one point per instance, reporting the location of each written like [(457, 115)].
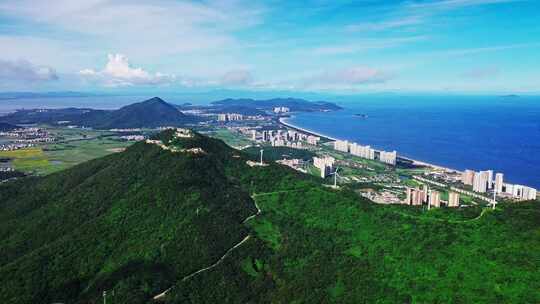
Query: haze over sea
[(460, 132)]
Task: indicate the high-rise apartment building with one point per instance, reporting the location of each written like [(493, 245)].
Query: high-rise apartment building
[(499, 182), (453, 199), (388, 157), (435, 199), (341, 145), (325, 164), (480, 183), (467, 177)]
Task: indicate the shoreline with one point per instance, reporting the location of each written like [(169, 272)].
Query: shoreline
[(282, 120)]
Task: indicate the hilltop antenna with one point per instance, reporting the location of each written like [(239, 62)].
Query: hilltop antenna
[(262, 151)]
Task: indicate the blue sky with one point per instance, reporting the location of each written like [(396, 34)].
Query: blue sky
[(344, 47)]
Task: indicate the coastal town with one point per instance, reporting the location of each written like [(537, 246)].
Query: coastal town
[(381, 176), (384, 177)]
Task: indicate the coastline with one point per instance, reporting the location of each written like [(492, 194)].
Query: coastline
[(282, 120)]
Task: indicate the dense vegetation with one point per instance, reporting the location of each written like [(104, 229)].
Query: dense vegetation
[(151, 113), (5, 175), (138, 222)]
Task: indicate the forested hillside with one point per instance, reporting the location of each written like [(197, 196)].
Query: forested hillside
[(185, 227)]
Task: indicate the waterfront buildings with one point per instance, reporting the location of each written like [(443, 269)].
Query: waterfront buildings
[(389, 158), (481, 181), (467, 177), (520, 192), (453, 199), (362, 151), (313, 140), (499, 182), (367, 152), (341, 145), (278, 110), (325, 164)]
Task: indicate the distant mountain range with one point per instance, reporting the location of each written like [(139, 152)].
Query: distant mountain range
[(155, 113), (150, 113), (294, 104), (7, 127)]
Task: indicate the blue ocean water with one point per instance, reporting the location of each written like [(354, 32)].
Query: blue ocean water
[(461, 132)]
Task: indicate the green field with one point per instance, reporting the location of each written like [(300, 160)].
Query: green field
[(230, 138), (74, 147), (28, 160)]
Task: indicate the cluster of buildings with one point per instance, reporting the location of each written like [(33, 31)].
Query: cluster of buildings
[(278, 110), (325, 164), (418, 197), (284, 138), (484, 181), (16, 146), (28, 134), (25, 138), (226, 117), (133, 137), (367, 152), (230, 117), (296, 164)]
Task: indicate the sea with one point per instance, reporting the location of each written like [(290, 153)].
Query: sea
[(501, 133)]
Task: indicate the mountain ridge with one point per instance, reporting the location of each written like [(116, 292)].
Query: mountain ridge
[(152, 113)]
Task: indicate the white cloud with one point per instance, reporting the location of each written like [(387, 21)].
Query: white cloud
[(145, 28), (118, 72), (22, 71)]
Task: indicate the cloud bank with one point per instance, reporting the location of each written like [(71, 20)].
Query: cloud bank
[(118, 73), (25, 71)]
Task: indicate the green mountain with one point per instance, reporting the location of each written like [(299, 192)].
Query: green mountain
[(190, 220), (150, 113)]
